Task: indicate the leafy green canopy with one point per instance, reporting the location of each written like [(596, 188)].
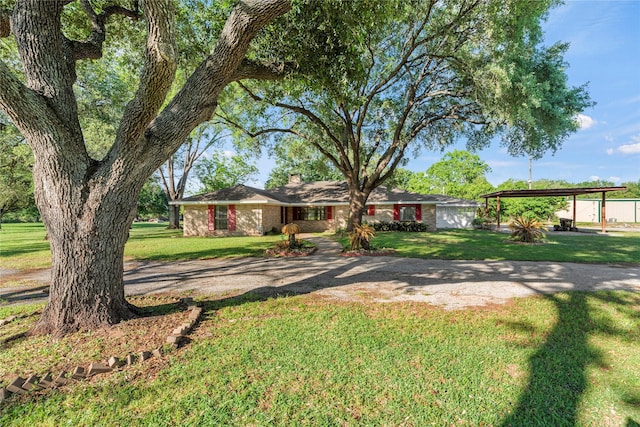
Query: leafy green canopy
[(483, 58), (16, 160), (458, 174), (220, 171), (374, 81)]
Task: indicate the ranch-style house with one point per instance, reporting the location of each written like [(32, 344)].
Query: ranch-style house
[(316, 207)]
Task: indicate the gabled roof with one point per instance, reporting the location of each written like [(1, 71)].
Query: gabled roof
[(318, 193), (236, 194)]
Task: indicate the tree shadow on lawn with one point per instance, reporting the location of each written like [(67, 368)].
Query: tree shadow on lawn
[(557, 379)]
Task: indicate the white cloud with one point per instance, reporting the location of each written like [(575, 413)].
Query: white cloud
[(610, 151), (228, 153), (632, 148), (608, 138), (594, 178), (614, 179), (584, 121)]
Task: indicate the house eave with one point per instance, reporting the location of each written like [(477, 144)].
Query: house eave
[(224, 202)]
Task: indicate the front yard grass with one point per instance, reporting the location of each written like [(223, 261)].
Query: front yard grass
[(559, 360), (22, 246), (612, 247)]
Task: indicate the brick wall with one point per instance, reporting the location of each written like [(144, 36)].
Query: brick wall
[(248, 221), (254, 220)]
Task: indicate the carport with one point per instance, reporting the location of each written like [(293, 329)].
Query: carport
[(553, 192)]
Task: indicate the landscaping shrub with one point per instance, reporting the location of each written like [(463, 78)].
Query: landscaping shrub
[(360, 236), (410, 226), (526, 229)]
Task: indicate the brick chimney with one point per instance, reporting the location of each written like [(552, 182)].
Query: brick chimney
[(295, 178)]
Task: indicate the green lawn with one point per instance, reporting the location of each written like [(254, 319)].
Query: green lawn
[(22, 246), (485, 245), (561, 360)]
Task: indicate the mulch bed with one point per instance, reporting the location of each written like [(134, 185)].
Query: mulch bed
[(371, 252)]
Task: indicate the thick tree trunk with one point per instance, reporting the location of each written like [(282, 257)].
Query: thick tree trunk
[(87, 235), (357, 203), (174, 217)]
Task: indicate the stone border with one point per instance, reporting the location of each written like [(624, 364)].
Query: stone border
[(7, 320), (34, 382)]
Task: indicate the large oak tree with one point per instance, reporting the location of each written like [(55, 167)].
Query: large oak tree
[(400, 76), (88, 204)]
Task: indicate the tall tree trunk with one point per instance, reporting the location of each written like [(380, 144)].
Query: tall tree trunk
[(174, 217), (87, 235), (357, 201)]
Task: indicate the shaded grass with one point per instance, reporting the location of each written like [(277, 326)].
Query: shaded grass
[(567, 359), (22, 246), (485, 245)]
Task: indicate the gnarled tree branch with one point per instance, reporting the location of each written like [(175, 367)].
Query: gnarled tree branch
[(197, 100), (92, 47)]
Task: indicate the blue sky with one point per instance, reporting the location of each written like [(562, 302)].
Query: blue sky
[(604, 51), (604, 37)]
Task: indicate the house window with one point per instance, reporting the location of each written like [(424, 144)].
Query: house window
[(407, 213), (369, 210), (314, 213), (221, 217)]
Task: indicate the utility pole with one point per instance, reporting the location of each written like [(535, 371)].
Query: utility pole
[(530, 172)]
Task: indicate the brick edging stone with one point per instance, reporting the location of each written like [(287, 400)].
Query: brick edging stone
[(32, 383)]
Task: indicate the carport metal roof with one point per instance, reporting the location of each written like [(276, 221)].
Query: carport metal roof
[(553, 192)]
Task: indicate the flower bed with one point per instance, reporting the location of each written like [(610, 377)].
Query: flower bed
[(282, 249)]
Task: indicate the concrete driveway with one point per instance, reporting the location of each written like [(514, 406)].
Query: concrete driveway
[(452, 284)]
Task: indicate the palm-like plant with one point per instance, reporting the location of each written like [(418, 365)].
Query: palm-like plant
[(361, 236), (291, 229), (527, 229)]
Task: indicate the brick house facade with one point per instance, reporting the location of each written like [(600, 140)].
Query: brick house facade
[(314, 207)]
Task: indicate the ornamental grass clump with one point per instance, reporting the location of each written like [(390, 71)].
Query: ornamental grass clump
[(360, 236), (527, 229)]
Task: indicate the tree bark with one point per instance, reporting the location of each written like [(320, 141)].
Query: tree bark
[(87, 288), (174, 217)]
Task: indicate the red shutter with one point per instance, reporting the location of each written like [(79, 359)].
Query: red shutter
[(231, 213), (211, 217), (418, 212), (371, 210), (396, 212), (329, 212)]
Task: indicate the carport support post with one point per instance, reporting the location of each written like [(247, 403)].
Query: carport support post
[(575, 219), (498, 211), (604, 212)]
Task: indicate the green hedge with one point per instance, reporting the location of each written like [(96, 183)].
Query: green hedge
[(400, 226)]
